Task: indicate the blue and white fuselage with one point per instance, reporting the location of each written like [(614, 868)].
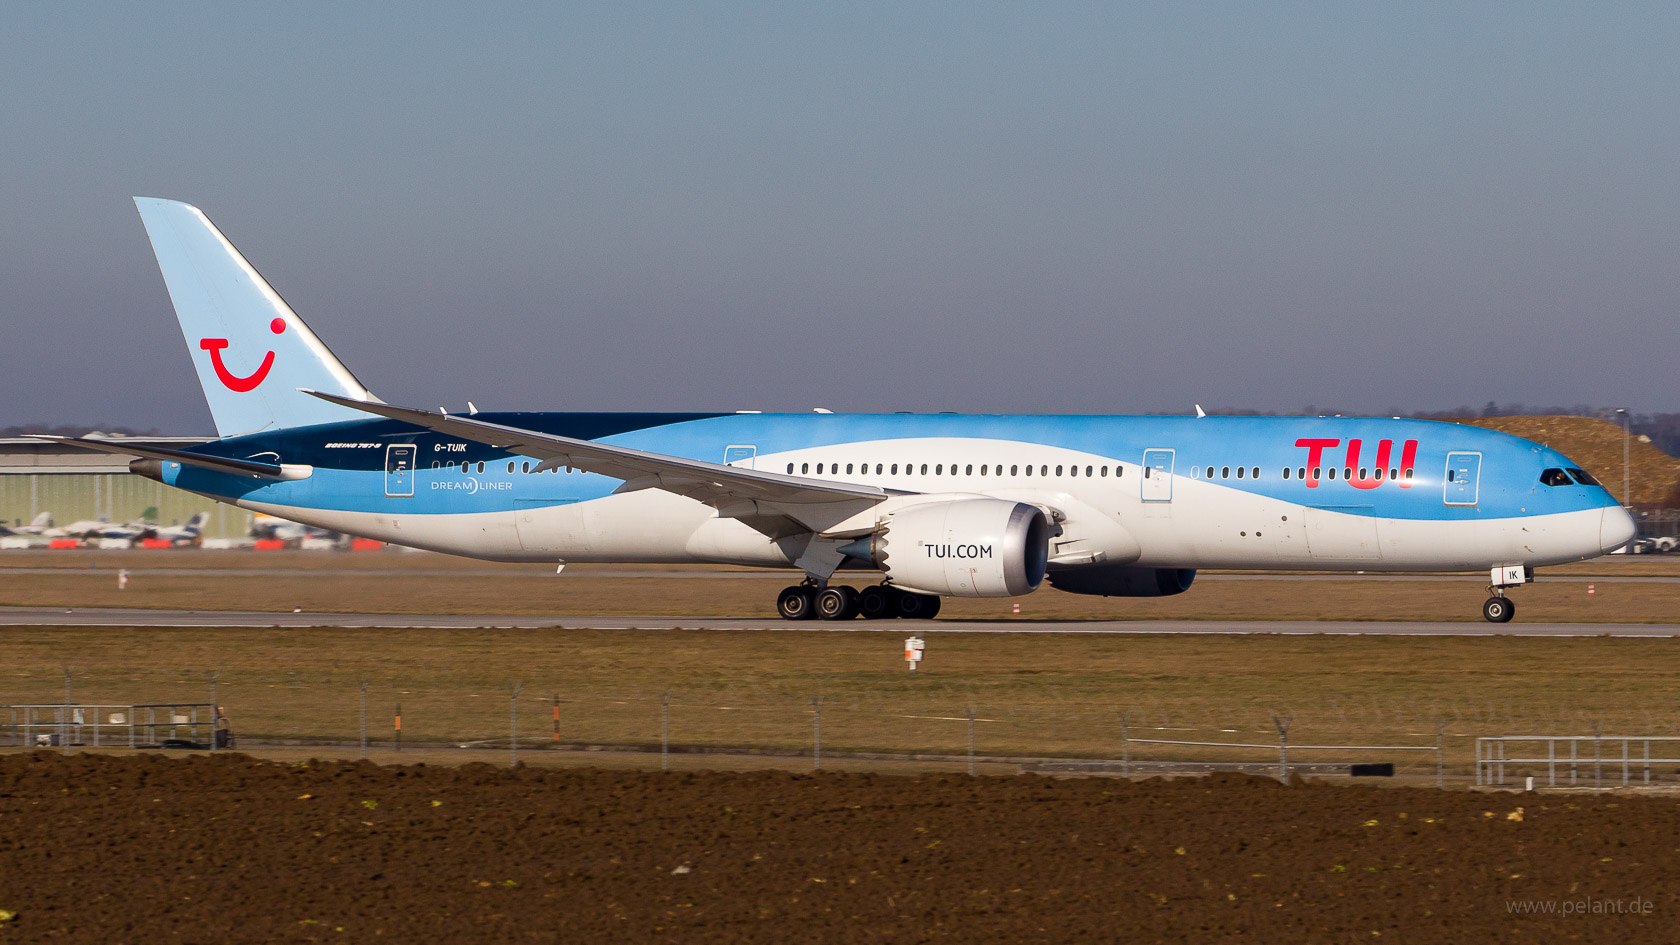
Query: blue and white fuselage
[(940, 504), (395, 482)]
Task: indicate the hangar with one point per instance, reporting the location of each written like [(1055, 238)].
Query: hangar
[(75, 484)]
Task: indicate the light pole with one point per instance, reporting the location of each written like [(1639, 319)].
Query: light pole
[(1627, 497)]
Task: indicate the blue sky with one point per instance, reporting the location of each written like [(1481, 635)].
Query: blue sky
[(986, 208)]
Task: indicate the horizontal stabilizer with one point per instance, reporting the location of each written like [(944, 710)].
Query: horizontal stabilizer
[(238, 467)]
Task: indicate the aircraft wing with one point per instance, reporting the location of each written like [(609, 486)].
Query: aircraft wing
[(747, 494)]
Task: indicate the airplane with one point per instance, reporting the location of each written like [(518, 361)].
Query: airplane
[(939, 505), (178, 534), (279, 529), (90, 528), (36, 526)]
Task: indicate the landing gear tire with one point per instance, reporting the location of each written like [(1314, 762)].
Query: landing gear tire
[(837, 602), (874, 602), (915, 606), (1499, 610), (796, 602)]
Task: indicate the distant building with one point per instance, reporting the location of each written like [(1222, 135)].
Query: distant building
[(75, 484)]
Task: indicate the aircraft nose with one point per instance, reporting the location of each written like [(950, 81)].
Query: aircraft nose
[(1616, 529)]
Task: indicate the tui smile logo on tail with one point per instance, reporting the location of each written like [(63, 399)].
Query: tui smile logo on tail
[(230, 380)]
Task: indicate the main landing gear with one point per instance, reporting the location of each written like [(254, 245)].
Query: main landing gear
[(839, 602)]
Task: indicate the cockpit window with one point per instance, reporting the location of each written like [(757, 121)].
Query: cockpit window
[(1584, 478), (1554, 477)]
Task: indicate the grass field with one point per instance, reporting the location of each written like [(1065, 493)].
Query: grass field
[(1043, 696)]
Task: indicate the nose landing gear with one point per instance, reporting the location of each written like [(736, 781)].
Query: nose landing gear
[(1499, 608)]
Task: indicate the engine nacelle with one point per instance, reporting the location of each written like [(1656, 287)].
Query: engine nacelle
[(1120, 581), (962, 548)]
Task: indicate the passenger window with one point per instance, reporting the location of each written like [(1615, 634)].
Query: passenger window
[(878, 469), (1073, 471), (1058, 470), (1210, 472), (924, 469), (510, 465), (481, 466), (1016, 470), (969, 471), (848, 469), (525, 467), (1044, 470), (1087, 472), (1581, 476), (939, 469), (1408, 474), (1301, 473), (790, 469), (804, 468), (1224, 472), (1332, 471), (1105, 472), (819, 468), (1450, 475), (1239, 472), (895, 469), (1555, 477), (1118, 470), (1394, 474), (1286, 472), (982, 469), (1254, 473), (1362, 475), (1379, 473), (1029, 470)]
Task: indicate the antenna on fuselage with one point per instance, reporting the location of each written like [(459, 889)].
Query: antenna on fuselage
[(1200, 413), (472, 410)]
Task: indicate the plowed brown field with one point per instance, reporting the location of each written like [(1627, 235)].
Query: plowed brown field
[(228, 849)]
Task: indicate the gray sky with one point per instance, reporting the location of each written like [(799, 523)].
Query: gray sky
[(986, 208)]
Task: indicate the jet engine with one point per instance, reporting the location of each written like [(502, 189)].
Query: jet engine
[(962, 548), (1120, 581)]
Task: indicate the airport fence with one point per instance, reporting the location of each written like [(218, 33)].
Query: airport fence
[(672, 729), (1494, 758), (922, 725)]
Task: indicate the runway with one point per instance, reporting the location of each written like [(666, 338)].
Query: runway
[(137, 617), (546, 573)]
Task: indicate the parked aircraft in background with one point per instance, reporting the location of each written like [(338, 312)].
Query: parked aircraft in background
[(89, 528), (179, 534), (279, 529), (36, 526), (940, 505)]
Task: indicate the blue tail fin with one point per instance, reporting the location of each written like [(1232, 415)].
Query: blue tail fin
[(251, 350)]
